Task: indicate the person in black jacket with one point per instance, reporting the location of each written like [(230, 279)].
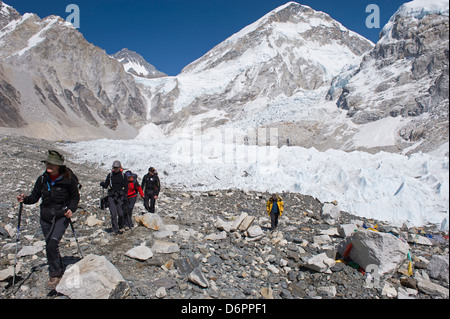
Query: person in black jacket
[(117, 185), (58, 189), (151, 186)]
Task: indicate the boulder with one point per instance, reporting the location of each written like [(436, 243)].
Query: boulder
[(163, 247), (219, 236), (29, 250), (223, 225), (330, 232), (140, 252), (419, 240), (93, 277), (186, 265), (347, 229), (255, 231), (93, 221), (329, 291), (8, 273), (322, 239), (430, 288), (389, 290), (235, 225), (197, 277), (383, 250), (330, 210), (149, 220), (9, 230), (438, 267), (161, 293), (320, 263), (246, 223)]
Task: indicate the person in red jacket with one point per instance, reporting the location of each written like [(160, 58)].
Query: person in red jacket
[(133, 189)]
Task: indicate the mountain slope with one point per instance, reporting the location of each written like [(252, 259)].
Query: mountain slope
[(135, 64), (56, 85), (292, 53), (406, 76)]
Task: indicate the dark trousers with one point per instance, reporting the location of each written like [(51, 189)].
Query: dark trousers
[(117, 214), (149, 202), (274, 220), (53, 237), (129, 211)]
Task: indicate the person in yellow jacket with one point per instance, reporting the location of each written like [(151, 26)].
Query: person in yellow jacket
[(275, 207)]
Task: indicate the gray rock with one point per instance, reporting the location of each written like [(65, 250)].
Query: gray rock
[(140, 252), (236, 223), (382, 250), (330, 210), (430, 288), (161, 293), (347, 229), (186, 265), (163, 247), (255, 231), (93, 277), (29, 250), (246, 223), (220, 236), (438, 267), (322, 239), (320, 263), (197, 277), (151, 221)]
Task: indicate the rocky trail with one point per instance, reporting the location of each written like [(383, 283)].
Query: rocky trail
[(217, 244)]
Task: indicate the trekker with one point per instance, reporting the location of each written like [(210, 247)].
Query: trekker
[(117, 186), (151, 186), (133, 189), (275, 207), (58, 189)]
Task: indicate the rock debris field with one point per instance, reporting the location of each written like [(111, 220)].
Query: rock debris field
[(214, 244)]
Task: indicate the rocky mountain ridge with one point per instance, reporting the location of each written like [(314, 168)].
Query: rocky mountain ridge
[(295, 70), (406, 75), (56, 85), (292, 54)]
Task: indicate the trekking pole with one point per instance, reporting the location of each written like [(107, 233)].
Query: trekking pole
[(17, 242), (76, 239)]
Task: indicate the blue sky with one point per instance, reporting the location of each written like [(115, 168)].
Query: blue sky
[(170, 34)]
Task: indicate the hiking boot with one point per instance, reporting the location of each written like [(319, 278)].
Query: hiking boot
[(52, 283)]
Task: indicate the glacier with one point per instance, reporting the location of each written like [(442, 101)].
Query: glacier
[(398, 189)]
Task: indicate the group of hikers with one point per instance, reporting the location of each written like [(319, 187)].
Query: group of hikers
[(58, 188), (123, 189)]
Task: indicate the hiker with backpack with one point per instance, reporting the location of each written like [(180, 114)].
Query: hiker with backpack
[(117, 186), (132, 191), (275, 207), (151, 186), (58, 189)]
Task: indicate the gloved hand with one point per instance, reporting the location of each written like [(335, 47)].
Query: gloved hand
[(102, 184)]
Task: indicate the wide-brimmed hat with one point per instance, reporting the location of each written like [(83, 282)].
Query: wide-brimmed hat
[(117, 164), (54, 158)]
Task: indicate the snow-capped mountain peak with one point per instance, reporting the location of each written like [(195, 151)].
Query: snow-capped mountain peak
[(311, 35), (417, 9), (135, 64)]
